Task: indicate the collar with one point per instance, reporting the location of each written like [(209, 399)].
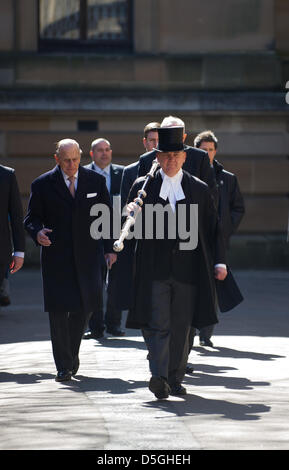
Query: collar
[(66, 177), (171, 188), (100, 170)]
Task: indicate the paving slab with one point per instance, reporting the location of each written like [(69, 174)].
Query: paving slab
[(237, 396)]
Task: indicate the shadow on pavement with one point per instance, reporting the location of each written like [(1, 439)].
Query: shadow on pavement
[(115, 386), (235, 353), (196, 405), (22, 378)]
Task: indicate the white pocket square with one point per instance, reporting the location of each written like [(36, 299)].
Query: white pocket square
[(91, 195)]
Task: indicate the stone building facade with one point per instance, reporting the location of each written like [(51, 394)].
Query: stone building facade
[(103, 68)]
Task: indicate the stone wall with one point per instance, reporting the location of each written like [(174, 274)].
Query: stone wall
[(219, 65)]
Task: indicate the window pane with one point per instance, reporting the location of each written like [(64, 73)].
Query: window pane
[(59, 19), (107, 20)]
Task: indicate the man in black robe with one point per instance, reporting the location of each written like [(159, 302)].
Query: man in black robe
[(174, 278)]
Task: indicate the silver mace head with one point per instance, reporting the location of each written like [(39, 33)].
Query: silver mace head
[(118, 245)]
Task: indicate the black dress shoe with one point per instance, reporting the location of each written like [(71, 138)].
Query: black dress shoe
[(92, 335), (160, 387), (115, 332), (177, 390), (189, 369), (63, 375), (206, 342)]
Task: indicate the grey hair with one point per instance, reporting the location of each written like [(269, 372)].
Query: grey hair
[(64, 142), (172, 121)]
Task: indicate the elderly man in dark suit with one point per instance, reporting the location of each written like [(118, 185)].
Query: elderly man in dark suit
[(174, 284), (12, 235), (101, 155), (59, 220), (231, 208)]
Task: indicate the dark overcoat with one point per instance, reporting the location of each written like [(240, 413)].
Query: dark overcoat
[(12, 234), (71, 264), (197, 164), (115, 177), (231, 203), (129, 176), (211, 251)]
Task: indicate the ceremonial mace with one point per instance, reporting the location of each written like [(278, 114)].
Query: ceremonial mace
[(131, 218)]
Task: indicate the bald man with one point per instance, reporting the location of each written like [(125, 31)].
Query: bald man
[(59, 221)]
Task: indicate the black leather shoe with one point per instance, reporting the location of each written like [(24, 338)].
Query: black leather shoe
[(178, 389), (159, 386), (92, 335), (115, 332), (189, 369), (206, 342), (63, 375)]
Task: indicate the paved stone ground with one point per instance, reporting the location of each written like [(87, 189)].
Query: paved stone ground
[(237, 397)]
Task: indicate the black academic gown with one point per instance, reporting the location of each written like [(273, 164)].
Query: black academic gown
[(211, 251)]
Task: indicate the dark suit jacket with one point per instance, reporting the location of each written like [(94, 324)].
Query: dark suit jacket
[(197, 164), (11, 216), (115, 177), (231, 203), (71, 266), (129, 176)]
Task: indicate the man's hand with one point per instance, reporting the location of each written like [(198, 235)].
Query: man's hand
[(17, 263), (220, 273), (133, 207), (110, 258), (42, 238)]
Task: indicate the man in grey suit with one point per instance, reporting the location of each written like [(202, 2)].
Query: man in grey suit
[(101, 155), (12, 234)]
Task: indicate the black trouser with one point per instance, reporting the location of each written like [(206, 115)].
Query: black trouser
[(3, 269), (66, 329), (167, 337), (204, 333), (112, 318)]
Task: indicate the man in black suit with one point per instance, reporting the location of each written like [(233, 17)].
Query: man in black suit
[(12, 235), (174, 284), (101, 155), (231, 208), (59, 220)]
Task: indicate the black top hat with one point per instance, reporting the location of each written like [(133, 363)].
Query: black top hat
[(171, 139)]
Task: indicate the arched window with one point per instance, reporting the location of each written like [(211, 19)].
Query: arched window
[(96, 25)]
